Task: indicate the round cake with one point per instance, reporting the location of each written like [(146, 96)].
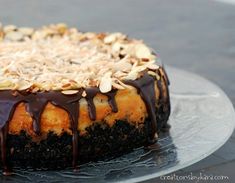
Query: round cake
[(68, 97)]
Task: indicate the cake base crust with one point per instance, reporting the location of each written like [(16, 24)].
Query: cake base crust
[(100, 142)]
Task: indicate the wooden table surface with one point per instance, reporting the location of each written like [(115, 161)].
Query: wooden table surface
[(195, 35)]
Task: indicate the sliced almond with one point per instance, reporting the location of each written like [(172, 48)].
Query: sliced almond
[(106, 83), (158, 77), (84, 93), (145, 59), (89, 35), (69, 92), (138, 69), (112, 37), (6, 84), (26, 31), (129, 49), (35, 89), (119, 74), (135, 64), (153, 67), (142, 51), (123, 84), (67, 85), (152, 73), (131, 75), (23, 85), (14, 36), (117, 86), (117, 47), (62, 28), (9, 28), (47, 86), (109, 39), (122, 66)]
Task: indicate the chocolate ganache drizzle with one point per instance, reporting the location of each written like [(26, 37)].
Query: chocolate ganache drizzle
[(145, 87), (36, 102)]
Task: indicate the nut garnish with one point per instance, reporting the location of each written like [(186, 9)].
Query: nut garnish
[(69, 92), (14, 36), (84, 93), (142, 51), (132, 75), (57, 57), (152, 73), (26, 31), (106, 83), (117, 86), (153, 67), (9, 28)]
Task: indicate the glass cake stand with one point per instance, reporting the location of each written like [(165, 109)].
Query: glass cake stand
[(202, 120)]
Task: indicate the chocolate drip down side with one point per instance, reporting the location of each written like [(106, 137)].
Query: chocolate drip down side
[(166, 126), (3, 136), (111, 100), (145, 87)]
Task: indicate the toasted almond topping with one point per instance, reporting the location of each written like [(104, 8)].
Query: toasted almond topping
[(113, 37), (117, 86), (35, 89), (9, 28), (23, 85), (122, 65), (26, 31), (6, 84), (158, 77), (14, 36), (119, 74), (132, 75), (152, 73), (69, 92), (67, 85), (117, 46), (153, 67), (138, 69), (142, 51), (123, 84), (62, 28), (145, 59), (84, 93), (56, 57), (106, 83), (109, 39)]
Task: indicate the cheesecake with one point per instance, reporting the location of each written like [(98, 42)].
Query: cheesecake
[(68, 97)]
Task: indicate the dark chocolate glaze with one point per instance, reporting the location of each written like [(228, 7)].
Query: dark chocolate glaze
[(145, 87), (166, 126), (36, 102), (111, 100), (3, 136), (166, 78), (90, 94)]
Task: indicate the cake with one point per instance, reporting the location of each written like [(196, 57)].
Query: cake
[(68, 97)]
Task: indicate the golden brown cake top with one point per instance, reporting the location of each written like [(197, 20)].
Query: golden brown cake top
[(56, 57)]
